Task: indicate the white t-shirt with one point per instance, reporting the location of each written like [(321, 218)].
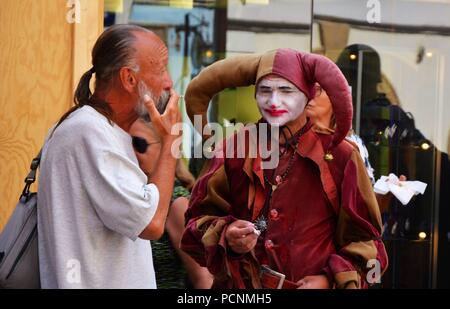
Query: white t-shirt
[(93, 202)]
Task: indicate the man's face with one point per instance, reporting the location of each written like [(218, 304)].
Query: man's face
[(153, 78), (161, 102), (279, 101)]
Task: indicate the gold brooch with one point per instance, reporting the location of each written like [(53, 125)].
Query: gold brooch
[(328, 156)]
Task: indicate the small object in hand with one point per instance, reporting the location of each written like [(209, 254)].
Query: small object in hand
[(261, 224)]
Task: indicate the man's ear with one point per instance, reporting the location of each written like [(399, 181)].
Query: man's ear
[(128, 79)]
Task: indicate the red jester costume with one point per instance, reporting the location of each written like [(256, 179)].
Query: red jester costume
[(321, 215)]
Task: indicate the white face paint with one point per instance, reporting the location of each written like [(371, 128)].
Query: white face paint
[(143, 92), (279, 101)]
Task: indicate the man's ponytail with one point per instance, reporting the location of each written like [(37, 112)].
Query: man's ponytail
[(82, 95), (83, 92)]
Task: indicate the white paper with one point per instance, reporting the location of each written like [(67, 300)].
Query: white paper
[(402, 190)]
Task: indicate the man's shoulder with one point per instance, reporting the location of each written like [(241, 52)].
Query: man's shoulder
[(85, 120), (86, 116), (84, 125)]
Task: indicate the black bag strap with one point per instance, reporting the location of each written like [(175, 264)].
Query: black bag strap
[(31, 177)]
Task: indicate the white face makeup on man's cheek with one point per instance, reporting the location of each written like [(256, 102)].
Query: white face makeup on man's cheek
[(279, 101)]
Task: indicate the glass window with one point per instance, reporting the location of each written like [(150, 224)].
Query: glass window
[(395, 60)]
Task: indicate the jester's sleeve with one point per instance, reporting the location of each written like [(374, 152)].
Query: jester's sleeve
[(208, 218), (360, 257)]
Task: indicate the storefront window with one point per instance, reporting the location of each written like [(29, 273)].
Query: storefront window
[(395, 62)]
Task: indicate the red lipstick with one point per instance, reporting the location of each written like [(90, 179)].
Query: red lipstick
[(275, 113)]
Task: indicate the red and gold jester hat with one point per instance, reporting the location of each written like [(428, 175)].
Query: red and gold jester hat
[(300, 68)]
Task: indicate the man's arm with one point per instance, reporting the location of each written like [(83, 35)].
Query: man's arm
[(163, 178), (164, 175)]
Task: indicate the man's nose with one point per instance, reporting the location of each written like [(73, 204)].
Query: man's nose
[(167, 82)]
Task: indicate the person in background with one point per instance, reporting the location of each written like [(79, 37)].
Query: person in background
[(320, 111)]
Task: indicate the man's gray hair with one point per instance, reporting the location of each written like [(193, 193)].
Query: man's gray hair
[(114, 49)]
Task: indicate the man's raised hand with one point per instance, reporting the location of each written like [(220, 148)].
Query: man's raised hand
[(163, 123)]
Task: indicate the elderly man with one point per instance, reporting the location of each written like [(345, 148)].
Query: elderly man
[(96, 211), (312, 221)]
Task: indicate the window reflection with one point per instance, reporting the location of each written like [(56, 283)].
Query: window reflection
[(395, 67)]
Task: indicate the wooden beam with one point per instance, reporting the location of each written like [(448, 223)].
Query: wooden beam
[(42, 56)]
